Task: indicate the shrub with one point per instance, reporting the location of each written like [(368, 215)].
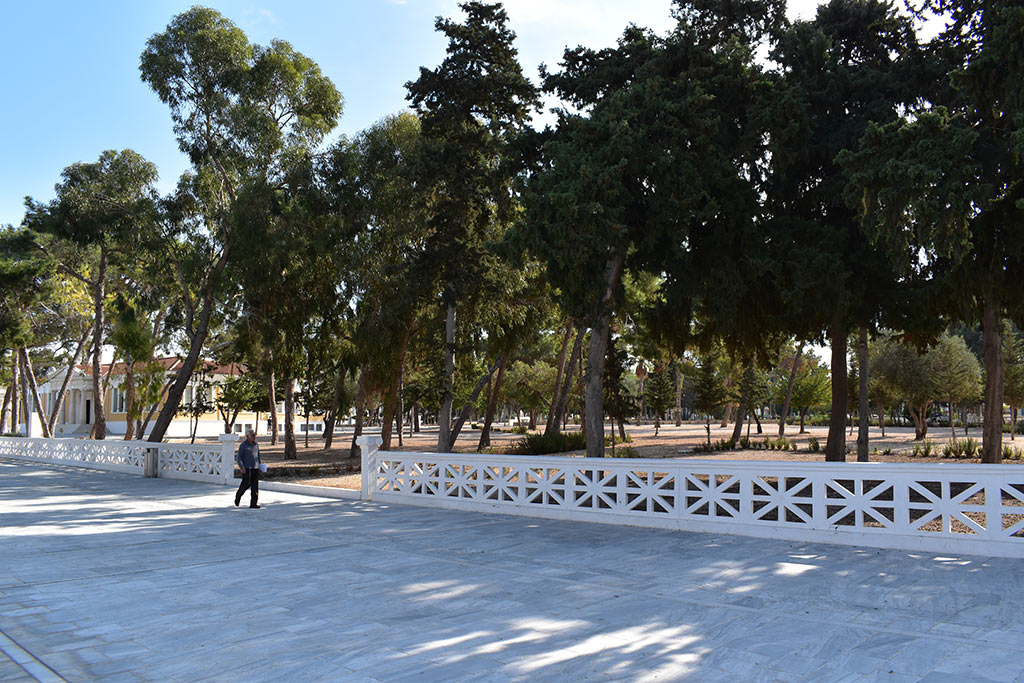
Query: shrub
[(608, 440), (623, 452), (813, 445), (971, 447), (927, 448), (520, 429), (744, 442), (720, 445), (555, 442), (887, 451), (1012, 453)]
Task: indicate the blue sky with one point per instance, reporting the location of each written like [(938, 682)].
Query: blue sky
[(70, 88)]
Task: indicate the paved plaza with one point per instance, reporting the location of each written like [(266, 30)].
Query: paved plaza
[(106, 576)]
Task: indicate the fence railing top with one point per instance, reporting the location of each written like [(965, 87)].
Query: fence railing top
[(108, 442), (858, 468)]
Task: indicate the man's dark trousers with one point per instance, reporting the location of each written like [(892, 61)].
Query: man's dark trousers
[(250, 480)]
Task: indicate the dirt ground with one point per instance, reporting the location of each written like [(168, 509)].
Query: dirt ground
[(334, 467)]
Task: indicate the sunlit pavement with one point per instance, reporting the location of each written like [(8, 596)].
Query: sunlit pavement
[(115, 577)]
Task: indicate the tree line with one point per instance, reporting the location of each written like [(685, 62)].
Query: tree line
[(738, 186)]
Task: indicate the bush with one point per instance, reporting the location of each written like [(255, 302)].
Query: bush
[(1012, 453), (520, 429), (813, 445), (720, 445), (555, 442), (623, 452), (960, 448), (608, 440)]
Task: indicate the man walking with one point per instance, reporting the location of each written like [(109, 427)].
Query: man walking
[(248, 459)]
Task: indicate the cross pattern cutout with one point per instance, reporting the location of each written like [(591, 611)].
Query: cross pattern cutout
[(712, 493), (947, 507), (784, 499)]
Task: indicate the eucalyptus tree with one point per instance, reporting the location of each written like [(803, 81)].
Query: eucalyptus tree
[(944, 185), (839, 73), (109, 208), (245, 115), (470, 107)]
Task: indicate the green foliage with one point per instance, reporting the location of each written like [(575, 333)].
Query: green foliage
[(813, 445), (623, 452), (660, 391), (552, 442), (1012, 452), (239, 393), (961, 448), (608, 440)]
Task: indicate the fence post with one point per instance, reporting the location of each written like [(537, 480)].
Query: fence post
[(151, 465), (227, 456), (368, 446)]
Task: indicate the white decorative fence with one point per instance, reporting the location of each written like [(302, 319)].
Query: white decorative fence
[(948, 508), (212, 463)]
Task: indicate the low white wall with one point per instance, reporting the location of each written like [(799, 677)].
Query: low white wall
[(953, 509), (211, 463)]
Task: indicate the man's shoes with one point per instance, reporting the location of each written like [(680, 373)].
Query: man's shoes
[(238, 499), (254, 507)]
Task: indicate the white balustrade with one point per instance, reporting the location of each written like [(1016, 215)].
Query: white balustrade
[(946, 508), (213, 463)]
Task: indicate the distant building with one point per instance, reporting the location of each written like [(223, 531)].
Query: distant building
[(78, 412)]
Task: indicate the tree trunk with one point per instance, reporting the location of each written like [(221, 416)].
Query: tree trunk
[(177, 390), (622, 430), (5, 411), (58, 403), (835, 447), (789, 388), (679, 395), (15, 397), (464, 413), (920, 420), (594, 397), (863, 409), (290, 452), (444, 418), (1013, 421), (30, 377), (727, 413), (952, 421), (492, 403), (741, 417), (992, 421), (354, 450), (129, 400), (563, 395), (99, 428), (415, 418), (803, 414), (272, 400), (757, 421), (881, 419), (339, 388), (392, 404), (558, 377)]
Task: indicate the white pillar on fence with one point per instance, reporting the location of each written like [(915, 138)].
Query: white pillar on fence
[(368, 447), (228, 447)]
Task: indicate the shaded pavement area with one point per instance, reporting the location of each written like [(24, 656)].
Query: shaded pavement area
[(114, 577)]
